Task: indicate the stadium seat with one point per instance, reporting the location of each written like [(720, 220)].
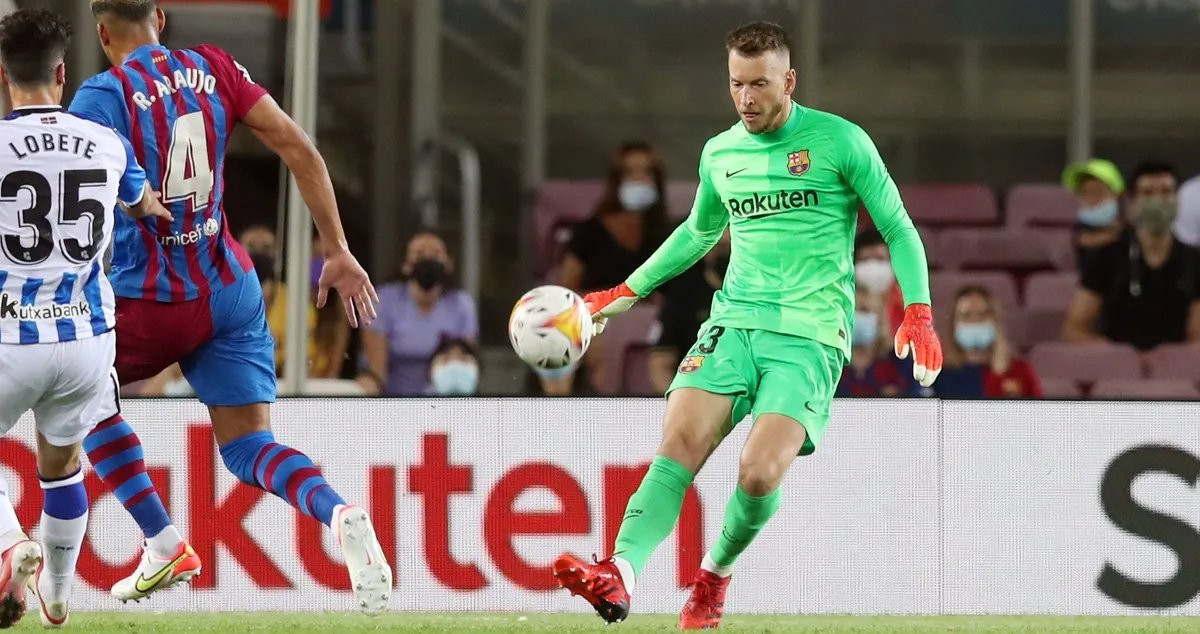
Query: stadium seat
[(680, 196), (630, 329), (1145, 389), (1060, 388), (1047, 296), (1087, 362), (1175, 361), (944, 285), (1015, 327), (1040, 205), (1038, 326), (950, 204), (635, 380), (560, 204), (1051, 290), (932, 239), (1004, 248)]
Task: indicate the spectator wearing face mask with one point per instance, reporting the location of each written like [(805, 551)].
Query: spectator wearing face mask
[(629, 221), (686, 303), (873, 273), (1144, 289), (454, 369), (874, 370), (980, 363), (415, 314), (1098, 186)]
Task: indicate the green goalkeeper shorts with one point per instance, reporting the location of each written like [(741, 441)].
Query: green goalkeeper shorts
[(765, 372)]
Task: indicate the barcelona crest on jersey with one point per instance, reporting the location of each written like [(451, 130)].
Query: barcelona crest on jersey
[(798, 162)]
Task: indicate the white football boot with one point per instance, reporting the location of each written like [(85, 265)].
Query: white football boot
[(154, 574), (370, 575), (20, 562)]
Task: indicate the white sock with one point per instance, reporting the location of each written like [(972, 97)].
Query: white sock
[(61, 538), (10, 528), (711, 566), (627, 575), (166, 543)]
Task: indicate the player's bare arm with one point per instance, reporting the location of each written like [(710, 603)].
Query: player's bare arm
[(149, 206), (341, 272)]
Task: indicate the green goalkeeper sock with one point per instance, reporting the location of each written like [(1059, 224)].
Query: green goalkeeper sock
[(745, 515), (652, 511)]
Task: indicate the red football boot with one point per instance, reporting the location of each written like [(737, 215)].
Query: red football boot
[(600, 583), (706, 604)]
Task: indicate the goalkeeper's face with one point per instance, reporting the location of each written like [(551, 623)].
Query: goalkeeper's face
[(761, 87)]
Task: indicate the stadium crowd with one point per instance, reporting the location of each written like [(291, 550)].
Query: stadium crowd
[(1084, 287), (1087, 287)]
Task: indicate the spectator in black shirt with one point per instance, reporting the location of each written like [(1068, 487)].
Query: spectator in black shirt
[(629, 222), (1144, 289), (686, 303)]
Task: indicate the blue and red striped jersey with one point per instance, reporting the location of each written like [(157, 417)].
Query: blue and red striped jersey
[(178, 109)]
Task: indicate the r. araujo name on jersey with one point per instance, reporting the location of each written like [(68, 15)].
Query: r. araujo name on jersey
[(178, 107), (60, 179)]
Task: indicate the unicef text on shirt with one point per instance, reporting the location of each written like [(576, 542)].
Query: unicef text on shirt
[(206, 230)]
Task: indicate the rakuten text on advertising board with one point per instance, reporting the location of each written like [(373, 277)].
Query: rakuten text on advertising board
[(474, 498)]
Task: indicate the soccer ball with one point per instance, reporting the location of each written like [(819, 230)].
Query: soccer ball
[(550, 328)]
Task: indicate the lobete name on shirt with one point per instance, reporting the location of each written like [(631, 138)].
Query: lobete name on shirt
[(44, 142)]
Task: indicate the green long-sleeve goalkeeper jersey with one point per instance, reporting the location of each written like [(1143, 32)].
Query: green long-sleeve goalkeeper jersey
[(791, 199)]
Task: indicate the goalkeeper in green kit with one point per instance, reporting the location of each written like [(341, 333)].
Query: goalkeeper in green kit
[(787, 181)]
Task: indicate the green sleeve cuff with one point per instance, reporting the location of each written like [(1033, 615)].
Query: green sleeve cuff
[(908, 261)]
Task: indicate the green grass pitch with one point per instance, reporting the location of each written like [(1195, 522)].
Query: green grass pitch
[(292, 623)]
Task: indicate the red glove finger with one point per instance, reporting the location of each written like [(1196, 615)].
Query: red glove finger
[(902, 342)]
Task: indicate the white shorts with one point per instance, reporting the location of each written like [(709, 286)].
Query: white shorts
[(71, 386)]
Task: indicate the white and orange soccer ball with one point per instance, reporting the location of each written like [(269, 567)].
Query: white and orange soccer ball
[(550, 328)]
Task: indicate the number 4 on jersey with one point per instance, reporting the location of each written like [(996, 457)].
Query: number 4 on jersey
[(188, 173)]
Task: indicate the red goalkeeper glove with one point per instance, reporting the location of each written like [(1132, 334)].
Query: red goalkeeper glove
[(916, 333), (610, 303)]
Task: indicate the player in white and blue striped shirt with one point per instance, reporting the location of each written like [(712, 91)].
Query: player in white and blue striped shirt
[(61, 177)]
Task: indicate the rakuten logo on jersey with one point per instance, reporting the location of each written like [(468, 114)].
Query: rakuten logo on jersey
[(208, 229), (773, 203), (10, 308)]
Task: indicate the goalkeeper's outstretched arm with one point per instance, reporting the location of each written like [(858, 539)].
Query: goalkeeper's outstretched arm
[(683, 248)]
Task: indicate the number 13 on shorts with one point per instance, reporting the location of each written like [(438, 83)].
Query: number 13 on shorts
[(765, 372)]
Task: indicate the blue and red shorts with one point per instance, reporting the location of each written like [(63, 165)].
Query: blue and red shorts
[(221, 342)]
